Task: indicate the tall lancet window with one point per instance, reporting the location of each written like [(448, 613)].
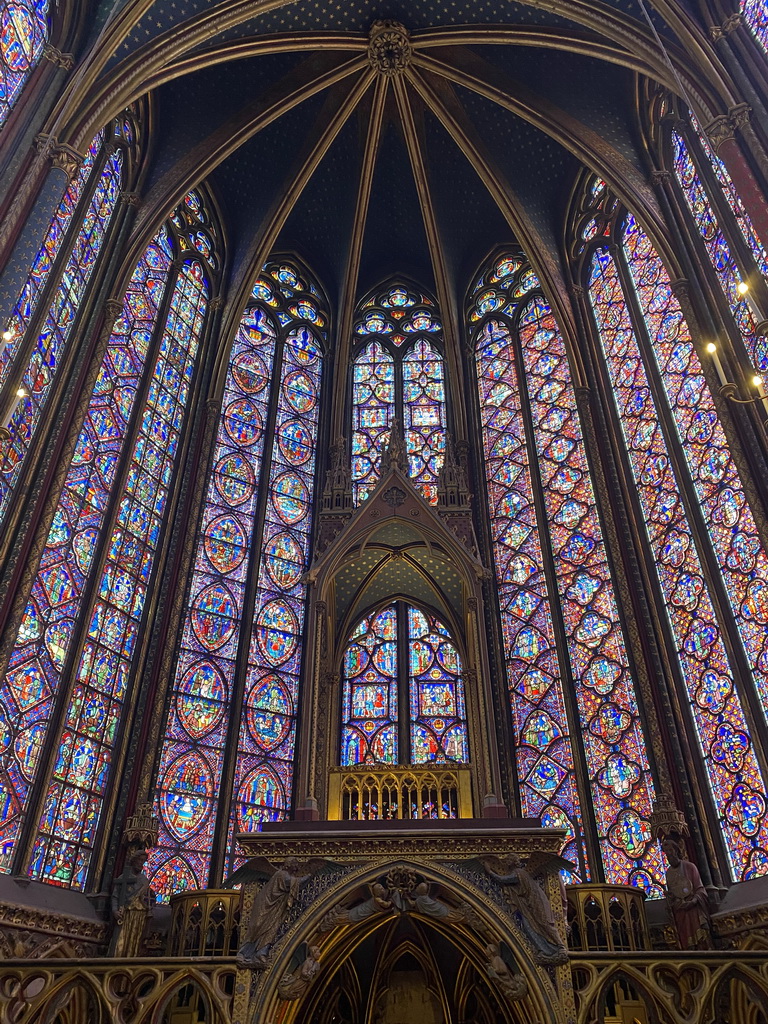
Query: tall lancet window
[(756, 14), (582, 756), (712, 569), (23, 33), (74, 660), (403, 694), (739, 259), (227, 758), (398, 371), (48, 308)]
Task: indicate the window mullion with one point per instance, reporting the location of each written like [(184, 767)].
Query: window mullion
[(53, 736), (558, 624), (247, 623)]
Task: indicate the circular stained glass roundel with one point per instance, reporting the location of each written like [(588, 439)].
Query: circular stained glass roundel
[(225, 543), (290, 498), (200, 700), (284, 560), (277, 631), (295, 442), (213, 616), (250, 372), (19, 35), (234, 479), (242, 422), (186, 794), (300, 391), (268, 713)]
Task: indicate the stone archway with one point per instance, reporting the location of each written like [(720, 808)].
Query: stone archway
[(401, 935)]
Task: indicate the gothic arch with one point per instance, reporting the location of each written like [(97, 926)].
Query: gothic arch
[(540, 1002)]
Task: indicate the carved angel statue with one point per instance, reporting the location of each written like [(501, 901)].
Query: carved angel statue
[(530, 900), (503, 971), (379, 902), (272, 903), (130, 902), (304, 966)]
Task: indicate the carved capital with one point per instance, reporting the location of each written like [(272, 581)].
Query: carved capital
[(732, 22), (56, 57), (112, 310), (740, 116), (130, 198), (681, 288), (216, 302), (67, 159), (659, 178), (720, 131), (389, 48), (45, 144), (576, 292)]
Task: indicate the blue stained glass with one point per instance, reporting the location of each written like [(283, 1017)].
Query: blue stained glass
[(207, 676), (23, 32), (103, 183), (34, 673), (115, 616)]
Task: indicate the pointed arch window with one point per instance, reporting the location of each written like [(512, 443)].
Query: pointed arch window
[(737, 255), (398, 372), (580, 740), (235, 689), (23, 34), (403, 693), (712, 568), (72, 664), (44, 316)]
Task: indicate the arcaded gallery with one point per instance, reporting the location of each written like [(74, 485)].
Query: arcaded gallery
[(383, 512)]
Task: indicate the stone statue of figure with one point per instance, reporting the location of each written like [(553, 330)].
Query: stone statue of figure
[(531, 901), (130, 902), (270, 909), (509, 982), (294, 984), (687, 898)]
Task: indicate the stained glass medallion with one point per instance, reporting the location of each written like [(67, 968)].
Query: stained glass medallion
[(91, 199), (275, 362), (23, 32), (102, 637), (523, 372), (720, 725), (398, 371)]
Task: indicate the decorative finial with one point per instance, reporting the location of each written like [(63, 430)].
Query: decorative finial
[(142, 828), (667, 822), (395, 453), (389, 48)]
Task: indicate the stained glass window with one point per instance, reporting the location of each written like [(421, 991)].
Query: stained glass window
[(97, 644), (720, 252), (755, 13), (720, 725), (522, 367), (23, 32), (396, 659), (399, 372), (89, 201), (241, 645)]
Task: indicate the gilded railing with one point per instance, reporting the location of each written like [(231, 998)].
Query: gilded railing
[(204, 923), (606, 917), (398, 793)]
